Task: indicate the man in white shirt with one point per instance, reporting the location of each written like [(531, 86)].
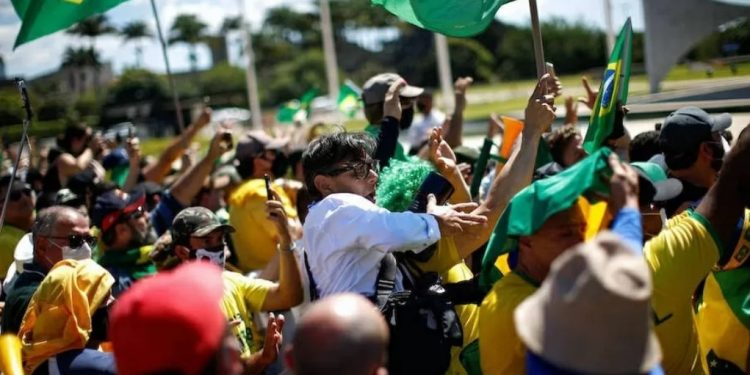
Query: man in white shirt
[(430, 118), (346, 235)]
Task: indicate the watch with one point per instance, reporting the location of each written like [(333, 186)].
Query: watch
[(291, 248)]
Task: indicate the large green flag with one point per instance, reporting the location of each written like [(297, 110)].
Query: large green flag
[(349, 102), (296, 109), (458, 18), (44, 17), (613, 90), (532, 206)]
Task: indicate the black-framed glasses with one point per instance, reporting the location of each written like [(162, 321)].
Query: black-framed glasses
[(76, 240), (361, 168)]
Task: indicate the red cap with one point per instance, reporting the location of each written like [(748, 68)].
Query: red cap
[(170, 322)]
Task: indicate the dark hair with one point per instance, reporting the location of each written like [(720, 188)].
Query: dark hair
[(71, 132), (684, 155), (644, 146), (331, 149), (559, 140), (374, 112)]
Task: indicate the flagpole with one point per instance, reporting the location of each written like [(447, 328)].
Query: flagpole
[(329, 48), (251, 79), (609, 25), (24, 139), (175, 96), (536, 33), (444, 69)]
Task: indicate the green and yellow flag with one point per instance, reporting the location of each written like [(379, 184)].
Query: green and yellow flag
[(534, 205), (296, 109), (613, 90), (349, 102), (44, 17), (457, 18)]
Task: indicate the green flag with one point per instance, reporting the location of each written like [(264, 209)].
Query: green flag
[(531, 207), (457, 18), (349, 102), (613, 90), (44, 17), (296, 109)]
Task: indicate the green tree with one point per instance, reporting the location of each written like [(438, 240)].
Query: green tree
[(92, 28), (188, 29), (136, 32), (81, 57)]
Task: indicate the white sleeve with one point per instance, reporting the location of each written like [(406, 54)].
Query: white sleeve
[(366, 225)]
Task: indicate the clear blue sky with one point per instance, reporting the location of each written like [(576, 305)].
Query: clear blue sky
[(44, 55)]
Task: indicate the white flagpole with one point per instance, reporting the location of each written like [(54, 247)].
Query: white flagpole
[(444, 70), (536, 33), (329, 48), (175, 96), (256, 114)]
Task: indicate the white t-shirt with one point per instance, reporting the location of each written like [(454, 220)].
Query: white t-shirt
[(420, 129), (346, 237)]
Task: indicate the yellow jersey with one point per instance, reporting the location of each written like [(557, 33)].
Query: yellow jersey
[(242, 298)]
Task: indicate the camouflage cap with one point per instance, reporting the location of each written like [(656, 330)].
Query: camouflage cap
[(198, 222)]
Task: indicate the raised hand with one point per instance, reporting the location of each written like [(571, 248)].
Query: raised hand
[(441, 154), (277, 215), (392, 105), (590, 99), (454, 219), (623, 185), (540, 111)]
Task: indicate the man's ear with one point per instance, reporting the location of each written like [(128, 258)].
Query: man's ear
[(182, 252), (323, 184)]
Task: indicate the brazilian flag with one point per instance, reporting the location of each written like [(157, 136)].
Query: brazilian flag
[(296, 109), (613, 90), (44, 17), (457, 18), (580, 184), (349, 102)]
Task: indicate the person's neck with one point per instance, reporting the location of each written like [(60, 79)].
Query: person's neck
[(22, 224), (530, 268)]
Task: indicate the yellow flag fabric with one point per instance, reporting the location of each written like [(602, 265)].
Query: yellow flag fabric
[(59, 314)]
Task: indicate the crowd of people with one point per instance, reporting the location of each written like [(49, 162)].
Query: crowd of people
[(334, 252)]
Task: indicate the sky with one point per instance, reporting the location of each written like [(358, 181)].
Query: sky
[(44, 55)]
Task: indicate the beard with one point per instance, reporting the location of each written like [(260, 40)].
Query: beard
[(142, 237), (407, 116)]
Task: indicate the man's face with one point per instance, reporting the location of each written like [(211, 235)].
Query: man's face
[(49, 246), (424, 104), (356, 177), (20, 204), (213, 240), (135, 229), (263, 163), (558, 234)]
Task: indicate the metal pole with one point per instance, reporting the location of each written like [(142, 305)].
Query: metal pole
[(609, 25), (329, 48), (536, 33), (256, 114), (175, 96), (24, 139), (444, 70)]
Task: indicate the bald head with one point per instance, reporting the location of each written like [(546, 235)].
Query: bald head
[(340, 334)]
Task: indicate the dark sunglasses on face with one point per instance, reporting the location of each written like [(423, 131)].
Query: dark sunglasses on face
[(361, 168), (76, 240)]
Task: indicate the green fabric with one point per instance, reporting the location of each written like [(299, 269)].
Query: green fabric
[(613, 90), (9, 238), (480, 166), (399, 183), (349, 102), (457, 18), (44, 17), (652, 170), (400, 155), (293, 108), (710, 228), (131, 261), (470, 358), (531, 207), (119, 174), (735, 285), (18, 294)]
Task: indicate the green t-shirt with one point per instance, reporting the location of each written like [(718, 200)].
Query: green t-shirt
[(9, 238)]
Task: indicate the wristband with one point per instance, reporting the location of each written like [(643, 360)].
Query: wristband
[(290, 249)]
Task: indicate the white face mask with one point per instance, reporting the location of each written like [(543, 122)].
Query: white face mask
[(216, 257), (82, 252)]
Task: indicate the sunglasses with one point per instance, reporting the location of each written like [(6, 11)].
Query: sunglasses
[(76, 240), (361, 168)]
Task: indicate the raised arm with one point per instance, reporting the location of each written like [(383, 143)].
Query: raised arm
[(517, 173), (190, 183), (389, 126), (174, 151), (454, 133), (444, 159), (288, 292)]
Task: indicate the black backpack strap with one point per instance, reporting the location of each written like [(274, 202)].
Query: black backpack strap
[(385, 283), (313, 285)]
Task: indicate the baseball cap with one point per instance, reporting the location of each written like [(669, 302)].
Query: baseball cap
[(169, 322), (254, 142), (111, 206), (687, 127), (376, 87), (196, 221), (655, 185)]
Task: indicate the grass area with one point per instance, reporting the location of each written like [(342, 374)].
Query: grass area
[(40, 129)]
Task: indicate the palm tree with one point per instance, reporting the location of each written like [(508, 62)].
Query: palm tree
[(136, 31), (92, 28), (233, 24), (81, 57), (188, 29)]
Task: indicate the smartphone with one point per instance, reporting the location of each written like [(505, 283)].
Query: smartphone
[(550, 69), (269, 193), (434, 184)]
